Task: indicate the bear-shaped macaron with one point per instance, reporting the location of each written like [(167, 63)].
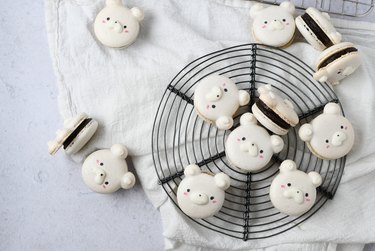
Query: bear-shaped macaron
[(217, 98), (249, 147), (201, 195), (274, 25), (106, 171), (330, 135), (292, 191), (116, 25), (337, 62)]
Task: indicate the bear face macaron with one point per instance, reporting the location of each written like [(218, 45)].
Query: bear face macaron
[(106, 171), (249, 147), (273, 112), (217, 98), (317, 29), (330, 135), (201, 195), (274, 25), (293, 192), (116, 25), (76, 133), (337, 62)]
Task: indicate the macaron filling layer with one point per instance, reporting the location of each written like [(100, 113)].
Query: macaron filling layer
[(273, 116), (320, 34), (335, 56), (74, 134)]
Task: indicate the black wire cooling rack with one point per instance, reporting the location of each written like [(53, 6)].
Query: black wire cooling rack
[(180, 138)]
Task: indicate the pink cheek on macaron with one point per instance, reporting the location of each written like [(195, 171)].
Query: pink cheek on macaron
[(328, 146), (214, 201), (307, 200), (282, 186), (261, 156), (224, 84), (346, 128), (126, 31), (238, 140), (103, 21), (264, 26), (97, 161), (208, 107), (185, 193), (287, 24)]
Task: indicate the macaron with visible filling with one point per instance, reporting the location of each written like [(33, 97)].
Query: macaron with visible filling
[(317, 29), (76, 133), (273, 112), (337, 62)]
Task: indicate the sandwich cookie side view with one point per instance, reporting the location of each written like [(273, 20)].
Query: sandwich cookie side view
[(274, 25), (330, 135), (249, 147), (337, 62), (201, 195), (216, 100), (292, 191), (117, 26), (317, 29), (106, 170), (273, 112), (76, 133)]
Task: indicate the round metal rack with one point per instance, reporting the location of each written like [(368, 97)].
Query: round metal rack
[(180, 138)]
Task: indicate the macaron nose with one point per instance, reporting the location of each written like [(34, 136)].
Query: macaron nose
[(338, 138), (99, 176), (215, 94), (199, 198), (295, 194), (250, 148), (348, 70), (117, 27), (277, 25)]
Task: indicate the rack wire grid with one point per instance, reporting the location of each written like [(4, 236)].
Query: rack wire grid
[(349, 8), (180, 138)]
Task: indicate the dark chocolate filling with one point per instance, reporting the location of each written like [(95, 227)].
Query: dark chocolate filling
[(74, 134), (274, 117), (335, 56), (320, 34)]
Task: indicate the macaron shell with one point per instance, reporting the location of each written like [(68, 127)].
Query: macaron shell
[(82, 138), (332, 50), (324, 23)]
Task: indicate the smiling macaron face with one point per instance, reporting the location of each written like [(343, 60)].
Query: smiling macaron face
[(117, 26), (250, 147), (201, 195), (106, 171), (293, 192), (330, 135), (273, 26)]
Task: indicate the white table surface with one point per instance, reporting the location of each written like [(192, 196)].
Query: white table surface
[(36, 209)]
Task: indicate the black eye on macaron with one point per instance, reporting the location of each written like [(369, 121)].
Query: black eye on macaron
[(288, 184), (342, 127), (225, 89), (108, 18), (213, 106), (188, 190), (125, 26), (284, 20), (106, 182), (327, 141), (265, 22), (261, 151), (101, 163), (212, 197), (306, 194), (243, 138)]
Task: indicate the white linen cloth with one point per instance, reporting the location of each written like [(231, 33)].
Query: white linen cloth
[(122, 88)]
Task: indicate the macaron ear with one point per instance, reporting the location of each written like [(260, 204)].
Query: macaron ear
[(264, 89), (137, 13), (119, 151), (321, 75), (113, 2), (288, 166), (248, 119), (336, 37), (192, 170), (277, 143), (306, 132), (222, 181), (289, 104), (244, 97), (332, 108), (256, 9), (288, 6), (128, 180), (224, 122), (326, 15), (315, 178)]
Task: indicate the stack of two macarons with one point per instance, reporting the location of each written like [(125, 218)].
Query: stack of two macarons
[(338, 59)]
